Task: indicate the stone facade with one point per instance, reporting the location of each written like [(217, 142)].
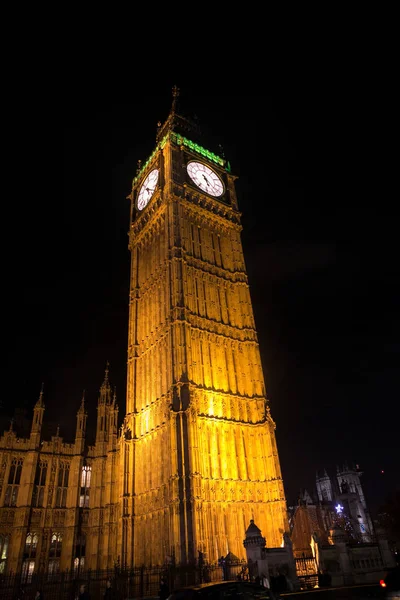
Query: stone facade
[(196, 457), (60, 502), (334, 529), (203, 448)]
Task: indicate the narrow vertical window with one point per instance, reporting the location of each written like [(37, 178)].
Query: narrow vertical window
[(14, 479), (28, 565), (62, 485), (3, 552), (80, 551), (85, 486), (40, 483), (55, 554)]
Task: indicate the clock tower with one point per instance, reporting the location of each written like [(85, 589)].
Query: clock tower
[(199, 453)]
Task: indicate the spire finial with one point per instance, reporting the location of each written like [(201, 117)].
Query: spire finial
[(106, 372), (40, 402), (58, 431), (11, 423), (175, 96)]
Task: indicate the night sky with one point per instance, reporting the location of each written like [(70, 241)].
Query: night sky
[(317, 243)]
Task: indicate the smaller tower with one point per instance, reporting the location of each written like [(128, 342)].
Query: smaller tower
[(349, 480), (37, 422), (80, 434), (324, 487), (113, 422), (104, 408), (352, 497)]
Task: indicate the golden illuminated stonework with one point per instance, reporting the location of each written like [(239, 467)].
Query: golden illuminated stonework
[(200, 456), (196, 459)]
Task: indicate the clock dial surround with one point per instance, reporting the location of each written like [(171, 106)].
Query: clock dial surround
[(147, 189), (205, 178)]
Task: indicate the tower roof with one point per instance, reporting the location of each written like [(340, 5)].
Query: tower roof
[(105, 388), (253, 530), (82, 406), (305, 497), (176, 122), (40, 402)]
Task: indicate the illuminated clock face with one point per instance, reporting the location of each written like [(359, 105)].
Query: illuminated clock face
[(205, 179), (147, 189)]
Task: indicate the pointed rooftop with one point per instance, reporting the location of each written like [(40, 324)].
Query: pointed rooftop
[(105, 388), (305, 497), (40, 402), (176, 122), (82, 406), (252, 530)]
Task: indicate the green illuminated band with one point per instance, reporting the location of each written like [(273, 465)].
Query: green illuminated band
[(180, 140)]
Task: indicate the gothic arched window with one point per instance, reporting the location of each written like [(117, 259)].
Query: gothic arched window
[(62, 485), (28, 565), (14, 479), (55, 554), (3, 552), (40, 482), (85, 486), (80, 551)]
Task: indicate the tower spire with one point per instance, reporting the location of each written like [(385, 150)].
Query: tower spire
[(176, 122), (175, 96), (38, 412), (40, 402), (82, 406), (81, 418), (106, 373), (105, 388)]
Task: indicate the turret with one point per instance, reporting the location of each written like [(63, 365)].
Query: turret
[(37, 421), (324, 487), (348, 479), (81, 418), (104, 408), (113, 421)]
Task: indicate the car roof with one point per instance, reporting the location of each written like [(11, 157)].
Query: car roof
[(201, 586)]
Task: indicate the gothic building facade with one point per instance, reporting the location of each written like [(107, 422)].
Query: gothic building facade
[(337, 502), (59, 502), (196, 457)]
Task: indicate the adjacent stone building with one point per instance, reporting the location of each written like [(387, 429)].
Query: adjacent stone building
[(60, 502), (332, 532), (196, 457)]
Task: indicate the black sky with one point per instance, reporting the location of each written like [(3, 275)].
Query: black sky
[(318, 245)]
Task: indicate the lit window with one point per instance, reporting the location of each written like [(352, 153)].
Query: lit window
[(62, 485), (80, 551), (55, 545), (14, 479), (54, 554), (28, 566), (85, 485), (40, 482), (3, 552)]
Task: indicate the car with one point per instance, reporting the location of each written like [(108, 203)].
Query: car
[(390, 584), (221, 590)]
